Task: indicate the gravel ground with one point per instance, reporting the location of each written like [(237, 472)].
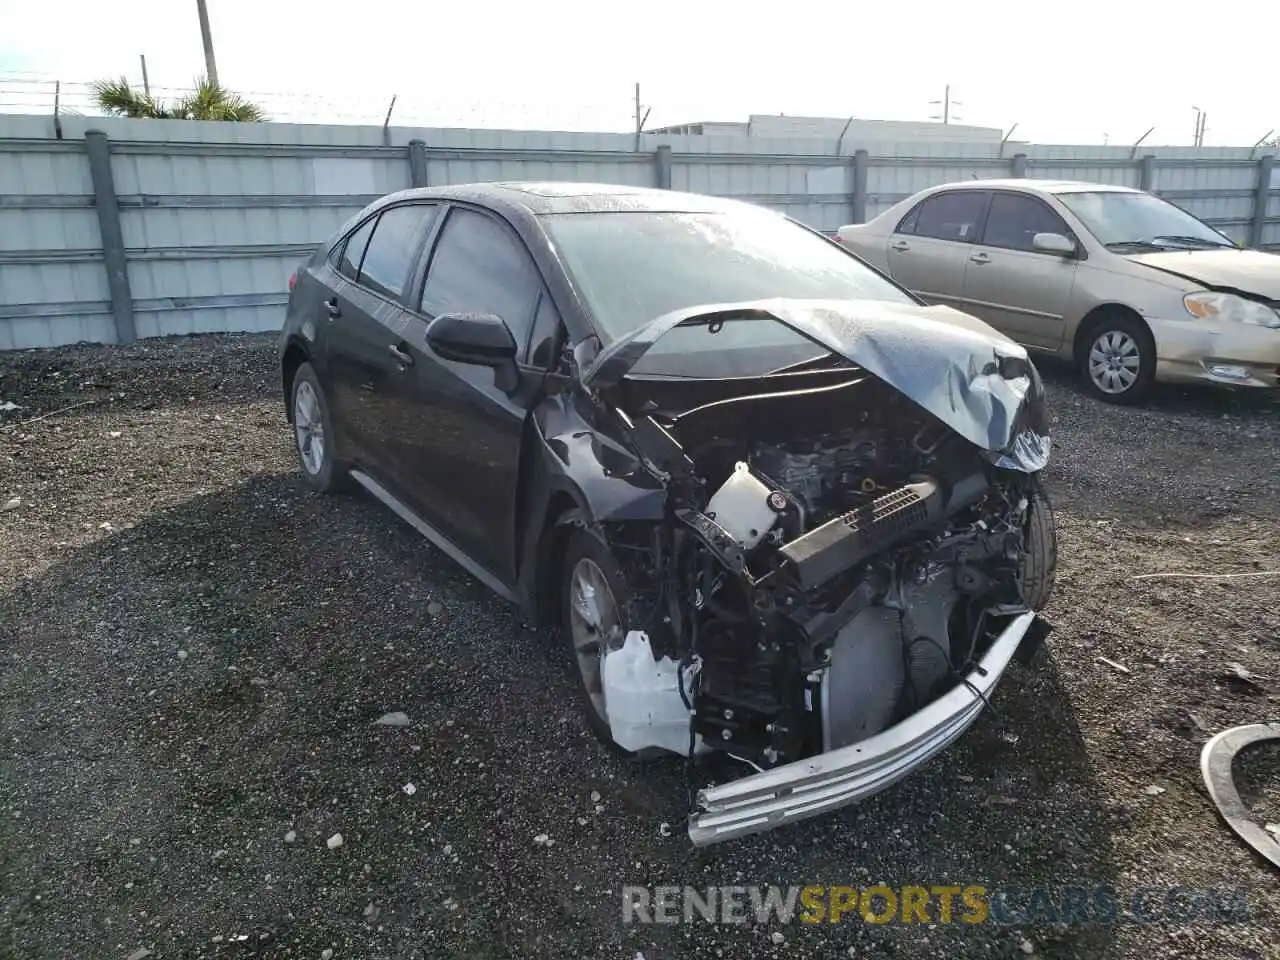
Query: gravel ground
[(195, 649)]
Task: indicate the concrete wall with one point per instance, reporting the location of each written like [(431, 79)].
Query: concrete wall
[(212, 218)]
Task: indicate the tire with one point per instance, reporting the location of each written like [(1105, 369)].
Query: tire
[(1040, 564), (585, 546), (1104, 359), (313, 434)]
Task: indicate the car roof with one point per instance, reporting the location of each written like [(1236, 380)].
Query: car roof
[(537, 198), (1035, 185)]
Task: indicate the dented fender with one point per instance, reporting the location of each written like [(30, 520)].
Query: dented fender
[(611, 481)]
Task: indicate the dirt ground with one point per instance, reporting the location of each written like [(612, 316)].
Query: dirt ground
[(193, 650)]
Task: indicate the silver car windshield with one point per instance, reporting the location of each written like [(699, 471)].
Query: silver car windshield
[(1141, 219), (634, 266)]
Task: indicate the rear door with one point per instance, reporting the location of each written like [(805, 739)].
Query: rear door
[(364, 314), (929, 249), (1018, 290), (462, 432)]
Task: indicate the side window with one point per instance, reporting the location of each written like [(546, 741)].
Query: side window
[(546, 328), (908, 223), (391, 251), (479, 266), (353, 251), (1015, 219), (951, 216)]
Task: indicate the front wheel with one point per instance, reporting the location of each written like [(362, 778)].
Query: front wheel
[(1118, 360), (1040, 562), (594, 596), (313, 434)]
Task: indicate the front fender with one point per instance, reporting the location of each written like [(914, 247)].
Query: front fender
[(573, 467)]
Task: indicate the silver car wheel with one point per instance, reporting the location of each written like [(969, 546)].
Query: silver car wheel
[(308, 428), (595, 626), (1114, 362)]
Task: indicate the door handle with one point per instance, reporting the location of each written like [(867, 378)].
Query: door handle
[(401, 354), (332, 306), (901, 246), (979, 258)]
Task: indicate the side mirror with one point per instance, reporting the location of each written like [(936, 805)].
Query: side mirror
[(1054, 243), (479, 338)]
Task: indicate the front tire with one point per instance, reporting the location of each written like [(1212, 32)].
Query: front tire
[(313, 434), (1040, 564), (594, 600), (1118, 359)]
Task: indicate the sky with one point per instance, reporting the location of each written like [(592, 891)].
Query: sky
[(1075, 72)]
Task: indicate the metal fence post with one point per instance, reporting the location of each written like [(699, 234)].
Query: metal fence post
[(662, 167), (418, 164), (1019, 165), (98, 150), (1261, 195), (861, 162), (1147, 173)]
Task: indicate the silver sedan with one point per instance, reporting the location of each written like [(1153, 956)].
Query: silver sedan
[(1131, 288)]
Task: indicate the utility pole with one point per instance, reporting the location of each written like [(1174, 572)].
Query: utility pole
[(641, 118), (1197, 138), (210, 65), (146, 84), (946, 103)]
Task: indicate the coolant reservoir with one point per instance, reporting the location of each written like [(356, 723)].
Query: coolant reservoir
[(741, 506)]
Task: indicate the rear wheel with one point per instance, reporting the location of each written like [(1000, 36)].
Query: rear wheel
[(1118, 359), (313, 434)]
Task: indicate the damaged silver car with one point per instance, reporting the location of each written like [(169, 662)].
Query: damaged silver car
[(785, 514)]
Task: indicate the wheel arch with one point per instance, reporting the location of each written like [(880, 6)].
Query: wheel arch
[(294, 356), (563, 514), (1098, 315)]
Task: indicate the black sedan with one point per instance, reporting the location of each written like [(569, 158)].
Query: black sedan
[(788, 517)]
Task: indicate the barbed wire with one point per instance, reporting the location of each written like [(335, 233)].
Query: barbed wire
[(32, 92)]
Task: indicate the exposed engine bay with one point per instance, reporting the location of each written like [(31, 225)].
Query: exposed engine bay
[(836, 558)]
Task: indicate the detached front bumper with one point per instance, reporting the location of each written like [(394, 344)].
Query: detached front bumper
[(807, 788)]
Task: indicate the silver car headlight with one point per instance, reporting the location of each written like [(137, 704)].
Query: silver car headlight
[(1209, 304)]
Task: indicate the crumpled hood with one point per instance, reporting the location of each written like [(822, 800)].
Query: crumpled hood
[(1249, 271), (972, 378)]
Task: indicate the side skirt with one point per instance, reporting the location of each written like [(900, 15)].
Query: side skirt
[(438, 539)]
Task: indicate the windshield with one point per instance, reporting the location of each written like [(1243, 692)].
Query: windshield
[(632, 267), (1120, 219)]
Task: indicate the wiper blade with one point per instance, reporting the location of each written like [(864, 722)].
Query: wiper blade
[(1135, 243), (1197, 241), (805, 364)]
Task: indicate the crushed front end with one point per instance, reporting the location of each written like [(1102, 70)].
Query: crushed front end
[(838, 583)]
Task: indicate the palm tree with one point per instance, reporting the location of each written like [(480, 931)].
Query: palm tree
[(207, 101)]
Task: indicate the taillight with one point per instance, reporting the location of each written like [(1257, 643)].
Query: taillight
[(293, 280)]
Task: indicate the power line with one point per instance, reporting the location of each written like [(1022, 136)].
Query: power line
[(29, 92)]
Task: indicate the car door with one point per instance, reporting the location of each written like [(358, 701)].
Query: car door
[(364, 313), (929, 249), (461, 431), (1017, 289)]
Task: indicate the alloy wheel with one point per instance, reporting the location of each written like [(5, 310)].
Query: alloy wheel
[(595, 626), (308, 428)]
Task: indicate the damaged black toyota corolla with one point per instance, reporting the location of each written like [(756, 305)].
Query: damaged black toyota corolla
[(782, 512)]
